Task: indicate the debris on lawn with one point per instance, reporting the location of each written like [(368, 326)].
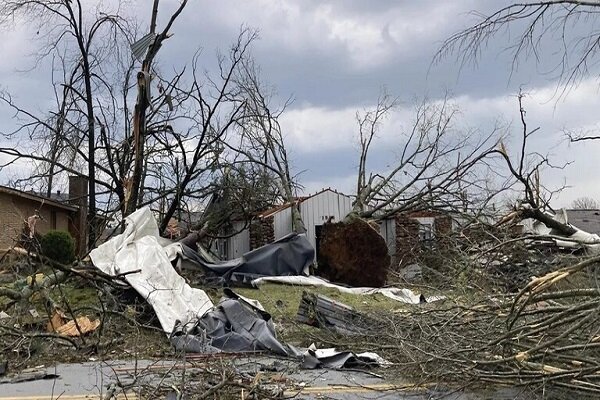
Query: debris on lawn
[(77, 327), (138, 255), (544, 335), (322, 312), (187, 314), (402, 295)]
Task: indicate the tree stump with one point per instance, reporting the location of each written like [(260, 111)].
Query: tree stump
[(353, 252)]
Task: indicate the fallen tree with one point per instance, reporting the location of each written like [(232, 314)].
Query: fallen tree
[(435, 169)]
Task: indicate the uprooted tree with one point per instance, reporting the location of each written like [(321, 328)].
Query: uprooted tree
[(435, 169)]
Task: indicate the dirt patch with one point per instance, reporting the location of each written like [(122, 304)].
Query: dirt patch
[(353, 253)]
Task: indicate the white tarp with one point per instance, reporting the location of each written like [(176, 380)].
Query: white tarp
[(141, 247), (401, 295)]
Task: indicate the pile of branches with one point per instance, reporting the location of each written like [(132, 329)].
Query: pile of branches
[(546, 336), (37, 294)]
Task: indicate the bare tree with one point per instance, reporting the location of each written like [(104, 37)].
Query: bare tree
[(144, 100), (585, 203), (87, 37), (434, 166), (532, 25), (168, 150), (215, 107), (261, 141), (525, 167)]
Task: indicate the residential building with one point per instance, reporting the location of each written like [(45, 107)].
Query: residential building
[(327, 205), (17, 206)]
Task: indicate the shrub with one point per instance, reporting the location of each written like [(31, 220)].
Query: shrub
[(58, 246)]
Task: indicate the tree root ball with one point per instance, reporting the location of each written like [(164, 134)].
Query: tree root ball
[(353, 252)]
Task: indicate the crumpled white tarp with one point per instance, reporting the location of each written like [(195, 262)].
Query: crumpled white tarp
[(401, 295), (141, 247)]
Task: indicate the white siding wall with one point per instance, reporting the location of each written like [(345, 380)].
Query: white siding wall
[(388, 231), (315, 211), (238, 244), (282, 223), (318, 209)]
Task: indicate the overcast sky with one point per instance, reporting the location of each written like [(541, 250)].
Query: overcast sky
[(333, 58)]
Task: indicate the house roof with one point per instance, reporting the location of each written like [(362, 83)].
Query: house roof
[(587, 219), (35, 197), (274, 210)]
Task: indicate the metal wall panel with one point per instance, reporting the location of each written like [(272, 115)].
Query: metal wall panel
[(282, 223), (238, 244)]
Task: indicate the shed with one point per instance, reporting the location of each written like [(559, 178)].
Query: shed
[(272, 224)]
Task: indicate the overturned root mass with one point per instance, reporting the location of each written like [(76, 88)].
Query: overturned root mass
[(353, 253)]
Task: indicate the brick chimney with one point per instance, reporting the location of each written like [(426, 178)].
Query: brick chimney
[(78, 196)]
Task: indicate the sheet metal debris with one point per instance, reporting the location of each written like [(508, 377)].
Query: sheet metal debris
[(140, 47), (399, 294), (187, 314), (322, 312)]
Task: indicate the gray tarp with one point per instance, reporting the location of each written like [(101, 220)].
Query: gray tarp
[(238, 324), (289, 256)]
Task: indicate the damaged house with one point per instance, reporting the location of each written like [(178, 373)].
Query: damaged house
[(409, 233), (327, 205), (405, 233)]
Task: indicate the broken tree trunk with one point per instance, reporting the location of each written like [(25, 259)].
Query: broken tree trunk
[(353, 252)]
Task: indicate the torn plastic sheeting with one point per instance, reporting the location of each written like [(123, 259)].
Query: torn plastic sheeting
[(401, 295), (141, 248), (238, 324), (290, 255)]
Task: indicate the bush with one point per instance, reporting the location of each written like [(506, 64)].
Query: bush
[(58, 246)]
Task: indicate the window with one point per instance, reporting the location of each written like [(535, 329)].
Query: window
[(425, 232)]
